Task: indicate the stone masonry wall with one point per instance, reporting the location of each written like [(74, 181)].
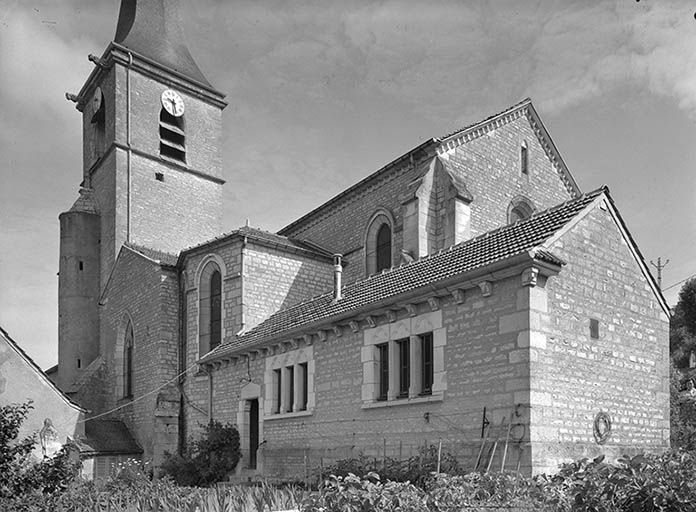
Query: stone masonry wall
[(479, 372), (147, 294), (624, 373), (490, 165), (343, 229), (273, 279)]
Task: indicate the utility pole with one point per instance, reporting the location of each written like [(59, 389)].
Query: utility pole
[(659, 266)]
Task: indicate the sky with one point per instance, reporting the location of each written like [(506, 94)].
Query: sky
[(323, 93)]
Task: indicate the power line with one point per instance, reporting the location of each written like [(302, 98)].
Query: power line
[(679, 282), (151, 392)]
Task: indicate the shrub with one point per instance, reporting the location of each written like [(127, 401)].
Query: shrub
[(492, 490), (207, 460), (353, 494), (641, 483), (416, 469), (18, 475)]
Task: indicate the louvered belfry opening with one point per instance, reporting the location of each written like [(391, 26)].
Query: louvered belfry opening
[(172, 136)]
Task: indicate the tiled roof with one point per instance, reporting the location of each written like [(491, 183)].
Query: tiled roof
[(161, 257), (494, 246), (268, 238), (104, 437)]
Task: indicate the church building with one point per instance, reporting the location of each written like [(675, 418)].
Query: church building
[(467, 289)]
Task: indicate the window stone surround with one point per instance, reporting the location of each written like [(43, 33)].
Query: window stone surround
[(411, 328), (281, 362)]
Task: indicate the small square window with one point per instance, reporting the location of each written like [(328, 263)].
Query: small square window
[(159, 176), (594, 328)]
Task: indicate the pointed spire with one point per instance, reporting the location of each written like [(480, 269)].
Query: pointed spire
[(152, 28)]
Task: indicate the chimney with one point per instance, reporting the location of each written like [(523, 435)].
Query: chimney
[(338, 270)]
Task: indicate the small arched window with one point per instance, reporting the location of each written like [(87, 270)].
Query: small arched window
[(128, 361), (384, 251), (520, 208), (210, 308), (378, 243)]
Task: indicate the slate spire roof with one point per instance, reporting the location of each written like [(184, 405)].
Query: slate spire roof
[(152, 28), (494, 246)]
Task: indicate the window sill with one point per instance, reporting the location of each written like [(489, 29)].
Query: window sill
[(288, 415), (376, 404)]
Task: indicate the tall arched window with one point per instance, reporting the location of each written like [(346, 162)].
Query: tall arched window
[(378, 242), (383, 251), (210, 308), (128, 361), (215, 309)]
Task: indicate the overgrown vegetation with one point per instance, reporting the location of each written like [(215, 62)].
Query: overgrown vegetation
[(682, 332), (20, 477), (682, 341), (208, 460), (417, 469), (642, 483)]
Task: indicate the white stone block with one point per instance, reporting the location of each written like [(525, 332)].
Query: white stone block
[(440, 337), (399, 329), (426, 322)]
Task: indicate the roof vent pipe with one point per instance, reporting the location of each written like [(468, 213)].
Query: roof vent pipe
[(338, 270)]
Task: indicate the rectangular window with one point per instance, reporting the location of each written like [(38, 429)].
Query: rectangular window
[(291, 388), (594, 328), (383, 371), (304, 381), (403, 347), (426, 341), (277, 390)]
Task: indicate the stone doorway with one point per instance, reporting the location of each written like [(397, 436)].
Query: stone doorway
[(250, 423), (253, 406)]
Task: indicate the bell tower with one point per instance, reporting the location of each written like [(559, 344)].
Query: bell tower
[(151, 166)]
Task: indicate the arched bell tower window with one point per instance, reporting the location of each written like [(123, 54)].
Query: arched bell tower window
[(128, 361), (378, 243), (210, 308), (172, 136), (520, 208)]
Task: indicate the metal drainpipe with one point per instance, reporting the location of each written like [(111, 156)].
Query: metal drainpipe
[(128, 145), (242, 317), (338, 270)]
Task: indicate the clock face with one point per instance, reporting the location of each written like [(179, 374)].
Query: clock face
[(173, 103), (97, 99)]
